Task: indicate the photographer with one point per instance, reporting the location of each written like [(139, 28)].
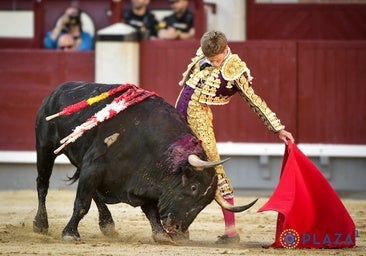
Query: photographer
[(69, 23)]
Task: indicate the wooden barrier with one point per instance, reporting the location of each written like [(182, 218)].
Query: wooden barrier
[(273, 65), (26, 78), (315, 87), (331, 92), (306, 21)]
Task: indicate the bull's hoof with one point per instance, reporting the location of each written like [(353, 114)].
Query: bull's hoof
[(163, 238), (180, 237), (71, 238), (70, 235), (109, 230), (39, 228)]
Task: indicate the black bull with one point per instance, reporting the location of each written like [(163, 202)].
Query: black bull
[(144, 156)]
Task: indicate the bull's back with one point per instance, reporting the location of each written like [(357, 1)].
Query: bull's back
[(70, 93), (49, 133), (150, 122)]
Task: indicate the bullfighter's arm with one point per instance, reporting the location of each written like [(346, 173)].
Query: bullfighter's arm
[(235, 71)]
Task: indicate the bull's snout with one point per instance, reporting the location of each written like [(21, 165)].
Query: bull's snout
[(171, 225)]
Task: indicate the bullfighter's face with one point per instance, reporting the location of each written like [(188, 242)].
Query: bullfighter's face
[(218, 59)]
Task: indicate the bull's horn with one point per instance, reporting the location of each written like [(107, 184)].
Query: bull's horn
[(224, 204), (197, 162)]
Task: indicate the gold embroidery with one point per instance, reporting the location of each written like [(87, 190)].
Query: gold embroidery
[(225, 186), (229, 85), (200, 118), (258, 105), (194, 64), (206, 82), (233, 67)]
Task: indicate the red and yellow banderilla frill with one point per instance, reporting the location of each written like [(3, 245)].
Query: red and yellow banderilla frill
[(85, 103), (132, 96)]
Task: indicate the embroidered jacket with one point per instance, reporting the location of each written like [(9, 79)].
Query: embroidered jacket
[(215, 86)]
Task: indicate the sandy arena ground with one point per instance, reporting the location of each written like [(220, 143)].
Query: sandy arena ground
[(18, 209)]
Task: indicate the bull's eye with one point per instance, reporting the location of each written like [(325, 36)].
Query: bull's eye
[(194, 188)]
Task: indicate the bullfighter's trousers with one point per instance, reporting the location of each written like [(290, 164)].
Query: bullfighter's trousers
[(199, 117)]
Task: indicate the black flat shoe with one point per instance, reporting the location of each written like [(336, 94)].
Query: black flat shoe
[(225, 239)]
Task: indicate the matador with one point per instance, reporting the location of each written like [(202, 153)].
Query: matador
[(207, 83)]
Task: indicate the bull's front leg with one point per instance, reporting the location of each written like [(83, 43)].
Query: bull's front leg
[(81, 208), (159, 234)]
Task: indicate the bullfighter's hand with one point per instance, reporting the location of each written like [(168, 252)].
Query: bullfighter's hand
[(285, 136)]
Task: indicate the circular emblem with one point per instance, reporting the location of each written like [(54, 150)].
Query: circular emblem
[(289, 238)]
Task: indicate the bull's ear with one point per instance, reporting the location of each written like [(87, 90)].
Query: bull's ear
[(187, 175), (185, 180)]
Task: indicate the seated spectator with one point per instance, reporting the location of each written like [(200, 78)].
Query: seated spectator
[(178, 25), (69, 23), (66, 43), (140, 17)]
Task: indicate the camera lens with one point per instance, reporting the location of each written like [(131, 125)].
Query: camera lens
[(74, 19)]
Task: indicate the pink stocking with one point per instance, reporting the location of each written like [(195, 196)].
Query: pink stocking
[(229, 218)]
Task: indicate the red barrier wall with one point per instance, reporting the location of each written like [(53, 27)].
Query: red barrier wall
[(26, 78), (273, 65), (315, 87), (296, 21), (331, 92)]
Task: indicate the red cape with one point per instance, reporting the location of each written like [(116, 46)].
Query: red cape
[(310, 213)]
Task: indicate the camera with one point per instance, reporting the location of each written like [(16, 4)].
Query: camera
[(74, 19)]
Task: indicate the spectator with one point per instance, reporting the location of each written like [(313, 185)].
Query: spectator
[(69, 23), (178, 25), (140, 17), (66, 43)]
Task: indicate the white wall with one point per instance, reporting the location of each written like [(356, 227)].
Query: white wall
[(17, 24), (229, 18)]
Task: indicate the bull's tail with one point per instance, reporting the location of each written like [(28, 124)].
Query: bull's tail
[(74, 178)]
